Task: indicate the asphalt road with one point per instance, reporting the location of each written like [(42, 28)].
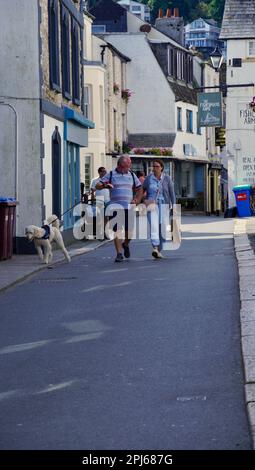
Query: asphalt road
[(139, 355)]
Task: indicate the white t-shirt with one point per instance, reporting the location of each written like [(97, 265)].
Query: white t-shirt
[(105, 193)]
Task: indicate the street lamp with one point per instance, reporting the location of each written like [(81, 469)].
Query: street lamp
[(216, 58)]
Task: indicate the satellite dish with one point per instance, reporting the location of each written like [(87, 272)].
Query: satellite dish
[(145, 28)]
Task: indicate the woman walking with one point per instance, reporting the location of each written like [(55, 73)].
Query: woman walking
[(160, 197)]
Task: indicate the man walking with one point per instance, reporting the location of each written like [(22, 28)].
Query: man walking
[(122, 184)]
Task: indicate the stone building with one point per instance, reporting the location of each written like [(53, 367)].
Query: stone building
[(42, 114)]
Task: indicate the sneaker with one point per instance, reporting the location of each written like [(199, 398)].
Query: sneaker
[(119, 258), (160, 255), (126, 250), (155, 253)]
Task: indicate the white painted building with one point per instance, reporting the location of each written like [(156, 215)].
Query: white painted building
[(138, 9), (162, 112), (238, 30), (93, 156)]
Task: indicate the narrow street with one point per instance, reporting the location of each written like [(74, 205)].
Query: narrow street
[(139, 355)]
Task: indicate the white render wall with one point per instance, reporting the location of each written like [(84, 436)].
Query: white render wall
[(48, 130), (19, 86), (240, 123), (182, 137), (148, 84)]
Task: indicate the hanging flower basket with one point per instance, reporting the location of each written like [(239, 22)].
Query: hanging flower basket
[(252, 104), (126, 94)]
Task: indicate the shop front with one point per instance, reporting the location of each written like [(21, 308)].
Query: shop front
[(190, 185), (144, 163)]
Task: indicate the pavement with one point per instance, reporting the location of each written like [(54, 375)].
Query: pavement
[(19, 267), (244, 231)]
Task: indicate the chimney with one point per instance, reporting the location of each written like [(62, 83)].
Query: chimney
[(176, 12), (168, 13), (160, 13)]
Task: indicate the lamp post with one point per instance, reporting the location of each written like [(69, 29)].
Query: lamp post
[(216, 58)]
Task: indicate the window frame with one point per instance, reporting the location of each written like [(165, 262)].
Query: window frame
[(189, 121), (248, 48), (179, 118), (53, 34), (65, 53), (76, 69)]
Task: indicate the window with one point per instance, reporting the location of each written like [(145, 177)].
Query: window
[(98, 28), (53, 45), (170, 61), (65, 49), (87, 173), (101, 98), (198, 127), (88, 110), (189, 121), (136, 8), (75, 63), (179, 119), (198, 24), (251, 48)]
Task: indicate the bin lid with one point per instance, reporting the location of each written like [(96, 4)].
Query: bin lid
[(7, 199), (242, 187)]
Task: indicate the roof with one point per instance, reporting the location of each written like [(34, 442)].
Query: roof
[(183, 92), (238, 20), (107, 10), (113, 49)]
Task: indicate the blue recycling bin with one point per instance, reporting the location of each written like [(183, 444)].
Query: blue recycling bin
[(243, 195)]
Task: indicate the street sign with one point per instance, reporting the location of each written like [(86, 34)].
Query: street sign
[(209, 109), (220, 136)]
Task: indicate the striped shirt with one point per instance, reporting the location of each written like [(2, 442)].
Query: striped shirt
[(122, 191)]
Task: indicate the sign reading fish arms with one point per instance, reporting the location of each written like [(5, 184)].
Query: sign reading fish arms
[(209, 109)]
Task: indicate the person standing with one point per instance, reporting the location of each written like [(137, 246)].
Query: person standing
[(123, 184), (102, 193), (159, 195)]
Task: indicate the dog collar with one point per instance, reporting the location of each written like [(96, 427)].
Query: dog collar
[(47, 232)]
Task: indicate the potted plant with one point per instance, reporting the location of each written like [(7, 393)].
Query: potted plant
[(252, 104), (116, 88)]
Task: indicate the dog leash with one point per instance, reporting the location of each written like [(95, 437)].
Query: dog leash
[(68, 210)]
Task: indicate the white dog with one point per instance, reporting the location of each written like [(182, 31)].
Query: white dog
[(44, 236)]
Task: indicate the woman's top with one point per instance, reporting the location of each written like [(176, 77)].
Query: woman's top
[(161, 191)]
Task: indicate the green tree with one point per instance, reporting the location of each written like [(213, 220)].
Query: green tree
[(216, 8), (202, 10)]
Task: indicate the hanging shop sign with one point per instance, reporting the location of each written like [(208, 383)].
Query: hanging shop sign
[(209, 109)]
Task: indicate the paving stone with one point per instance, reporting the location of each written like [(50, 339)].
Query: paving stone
[(248, 346), (248, 328), (250, 392), (249, 368)]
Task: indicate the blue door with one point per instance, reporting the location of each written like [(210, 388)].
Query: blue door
[(72, 182)]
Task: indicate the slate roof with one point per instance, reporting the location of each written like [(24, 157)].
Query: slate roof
[(238, 20)]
